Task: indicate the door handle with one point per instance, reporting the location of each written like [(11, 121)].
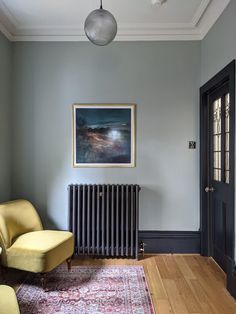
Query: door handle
[(209, 189)]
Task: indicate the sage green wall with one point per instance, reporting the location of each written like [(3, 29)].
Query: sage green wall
[(218, 48), (5, 117), (162, 78)]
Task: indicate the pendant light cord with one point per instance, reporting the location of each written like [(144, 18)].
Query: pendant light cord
[(101, 5)]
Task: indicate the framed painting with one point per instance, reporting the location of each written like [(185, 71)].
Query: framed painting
[(104, 135)]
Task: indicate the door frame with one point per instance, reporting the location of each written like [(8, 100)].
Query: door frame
[(225, 75)]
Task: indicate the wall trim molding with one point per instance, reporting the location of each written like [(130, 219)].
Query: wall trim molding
[(231, 277), (170, 241)]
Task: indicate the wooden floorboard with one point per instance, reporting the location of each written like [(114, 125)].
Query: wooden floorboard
[(179, 284)]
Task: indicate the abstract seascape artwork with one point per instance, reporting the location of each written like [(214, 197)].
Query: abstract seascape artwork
[(103, 135)]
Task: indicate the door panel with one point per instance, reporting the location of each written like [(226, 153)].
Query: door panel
[(219, 233), (219, 151)]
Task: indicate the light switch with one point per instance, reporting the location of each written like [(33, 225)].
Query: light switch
[(192, 145)]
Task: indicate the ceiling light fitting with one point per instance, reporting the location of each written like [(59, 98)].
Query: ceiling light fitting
[(100, 26), (160, 2)]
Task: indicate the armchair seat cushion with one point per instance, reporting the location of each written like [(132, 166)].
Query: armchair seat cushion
[(40, 251), (8, 301)]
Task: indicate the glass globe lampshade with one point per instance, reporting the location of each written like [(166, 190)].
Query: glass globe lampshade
[(100, 27)]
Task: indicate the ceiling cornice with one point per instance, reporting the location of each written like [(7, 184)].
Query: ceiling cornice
[(203, 19), (4, 30), (7, 22), (200, 12), (211, 16)]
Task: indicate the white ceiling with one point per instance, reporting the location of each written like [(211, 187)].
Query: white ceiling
[(63, 20)]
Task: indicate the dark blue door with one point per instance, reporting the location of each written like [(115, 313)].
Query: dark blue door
[(220, 176)]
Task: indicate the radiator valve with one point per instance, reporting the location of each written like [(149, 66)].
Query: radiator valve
[(141, 248)]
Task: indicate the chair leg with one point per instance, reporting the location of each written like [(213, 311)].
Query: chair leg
[(3, 274), (43, 279), (69, 262)]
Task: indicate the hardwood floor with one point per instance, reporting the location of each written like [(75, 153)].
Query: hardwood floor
[(178, 284)]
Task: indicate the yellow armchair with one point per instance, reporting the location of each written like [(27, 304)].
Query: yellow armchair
[(8, 301), (25, 245)]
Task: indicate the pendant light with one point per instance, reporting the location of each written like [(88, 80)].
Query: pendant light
[(100, 26)]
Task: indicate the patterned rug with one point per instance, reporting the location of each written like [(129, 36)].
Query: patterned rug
[(88, 290)]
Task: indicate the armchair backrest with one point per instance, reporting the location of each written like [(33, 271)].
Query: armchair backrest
[(16, 218)]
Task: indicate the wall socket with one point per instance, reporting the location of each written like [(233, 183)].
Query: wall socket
[(192, 145)]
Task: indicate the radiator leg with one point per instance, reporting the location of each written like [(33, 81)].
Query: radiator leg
[(69, 263)]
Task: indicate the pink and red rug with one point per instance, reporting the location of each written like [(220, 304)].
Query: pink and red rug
[(88, 290)]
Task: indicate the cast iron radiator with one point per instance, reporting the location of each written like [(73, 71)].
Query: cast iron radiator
[(104, 219)]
